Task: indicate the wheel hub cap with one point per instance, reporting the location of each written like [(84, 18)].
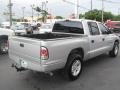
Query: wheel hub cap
[(76, 67), (116, 50)]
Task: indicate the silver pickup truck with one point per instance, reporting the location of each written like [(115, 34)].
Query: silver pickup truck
[(70, 43)]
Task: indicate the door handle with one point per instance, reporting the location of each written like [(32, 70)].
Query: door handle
[(103, 39), (21, 45), (92, 41)]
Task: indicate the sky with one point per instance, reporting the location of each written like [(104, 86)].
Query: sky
[(58, 7)]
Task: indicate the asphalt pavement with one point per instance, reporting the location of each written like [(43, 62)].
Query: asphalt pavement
[(100, 73)]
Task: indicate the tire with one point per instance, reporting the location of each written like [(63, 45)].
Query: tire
[(73, 67), (4, 46), (114, 52)]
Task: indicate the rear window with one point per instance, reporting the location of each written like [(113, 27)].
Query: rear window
[(46, 26), (68, 27), (18, 27)]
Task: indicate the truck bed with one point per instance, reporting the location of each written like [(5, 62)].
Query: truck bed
[(49, 36)]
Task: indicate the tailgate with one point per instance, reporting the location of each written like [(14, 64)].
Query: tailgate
[(21, 48)]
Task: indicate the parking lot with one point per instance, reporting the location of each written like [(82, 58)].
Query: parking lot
[(100, 73)]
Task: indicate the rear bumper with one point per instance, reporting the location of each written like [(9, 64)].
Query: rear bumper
[(30, 66), (20, 33), (35, 66)]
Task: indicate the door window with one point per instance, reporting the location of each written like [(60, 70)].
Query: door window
[(93, 28), (103, 28)]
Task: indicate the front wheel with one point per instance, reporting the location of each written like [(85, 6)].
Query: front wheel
[(73, 67), (3, 46), (114, 52)]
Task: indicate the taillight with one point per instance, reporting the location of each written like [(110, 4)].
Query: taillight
[(7, 45), (44, 54)]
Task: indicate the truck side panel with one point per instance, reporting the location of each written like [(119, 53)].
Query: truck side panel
[(59, 50)]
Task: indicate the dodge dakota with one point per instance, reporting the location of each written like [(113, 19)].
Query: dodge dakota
[(69, 44)]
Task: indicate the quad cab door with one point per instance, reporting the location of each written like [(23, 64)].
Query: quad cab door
[(107, 39), (95, 40)]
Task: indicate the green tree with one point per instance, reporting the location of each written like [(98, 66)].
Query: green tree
[(44, 13), (81, 16), (108, 15), (58, 17), (38, 9), (117, 18), (19, 20), (97, 15)]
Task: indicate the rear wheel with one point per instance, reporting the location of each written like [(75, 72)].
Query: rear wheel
[(114, 52), (4, 46), (73, 67)]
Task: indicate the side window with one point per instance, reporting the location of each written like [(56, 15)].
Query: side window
[(103, 28), (93, 28)]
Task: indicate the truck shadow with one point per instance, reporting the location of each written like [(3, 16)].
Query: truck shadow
[(40, 81), (3, 58)]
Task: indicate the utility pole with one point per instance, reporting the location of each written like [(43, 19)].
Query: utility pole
[(76, 4), (102, 11), (118, 11), (44, 10), (91, 5), (46, 5), (23, 9), (32, 7), (42, 6), (10, 12), (76, 9)]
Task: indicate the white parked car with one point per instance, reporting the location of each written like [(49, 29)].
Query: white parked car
[(46, 28), (5, 25), (19, 29)]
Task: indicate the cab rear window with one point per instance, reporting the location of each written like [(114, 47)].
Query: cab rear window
[(68, 27)]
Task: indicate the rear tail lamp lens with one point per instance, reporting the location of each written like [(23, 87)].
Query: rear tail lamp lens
[(44, 54)]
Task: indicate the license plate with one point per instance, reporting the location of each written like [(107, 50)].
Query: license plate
[(24, 64)]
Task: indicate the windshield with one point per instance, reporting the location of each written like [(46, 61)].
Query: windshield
[(18, 27), (46, 26)]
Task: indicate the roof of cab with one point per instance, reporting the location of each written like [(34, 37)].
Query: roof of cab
[(78, 20)]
